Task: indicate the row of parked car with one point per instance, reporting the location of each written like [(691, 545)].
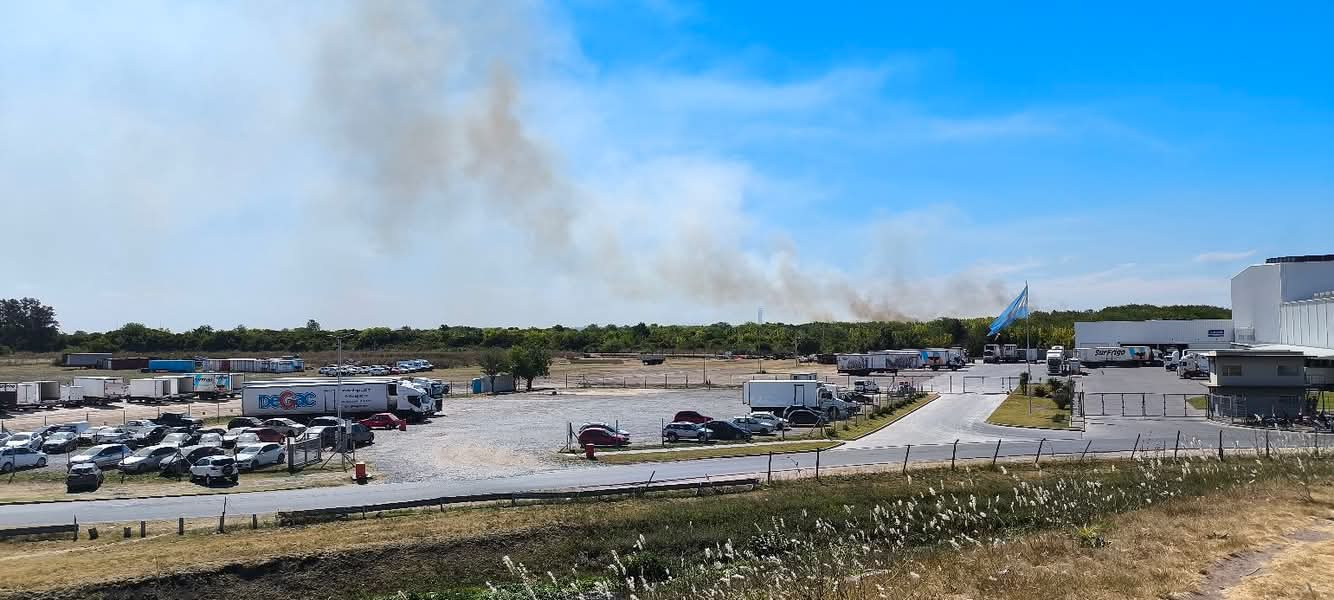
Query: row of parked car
[(176, 444), (399, 368), (689, 426)]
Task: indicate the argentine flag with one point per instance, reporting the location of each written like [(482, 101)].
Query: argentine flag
[(1017, 309)]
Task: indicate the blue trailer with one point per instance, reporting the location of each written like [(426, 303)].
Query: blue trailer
[(171, 366)]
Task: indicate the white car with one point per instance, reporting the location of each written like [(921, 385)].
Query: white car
[(176, 440), (113, 435), (20, 458), (379, 371), (753, 425), (776, 422), (25, 439), (210, 439), (146, 459), (329, 371), (214, 468), (246, 439), (253, 457)]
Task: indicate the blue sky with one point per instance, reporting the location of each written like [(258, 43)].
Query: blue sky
[(499, 163)]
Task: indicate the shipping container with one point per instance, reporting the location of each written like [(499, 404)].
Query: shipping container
[(101, 390), (883, 361), (9, 395), (171, 366), (87, 360), (130, 363), (483, 385), (31, 394), (49, 391), (148, 389), (935, 358), (173, 386)]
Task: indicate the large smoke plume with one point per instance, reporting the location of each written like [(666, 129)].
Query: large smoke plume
[(424, 116)]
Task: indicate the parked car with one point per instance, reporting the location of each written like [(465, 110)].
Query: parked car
[(179, 439), (207, 430), (602, 437), (172, 419), (61, 442), (690, 416), (243, 422), (48, 430), (685, 430), (89, 436), (724, 430), (604, 426), (326, 434), (83, 477), (21, 457), (76, 427), (382, 421), (180, 462), (103, 455), (25, 439), (329, 371), (359, 435), (778, 423), (264, 434), (214, 468), (113, 435), (327, 421), (253, 457), (752, 425), (139, 423), (150, 435), (4, 437), (285, 426), (146, 459), (210, 439), (246, 438), (229, 438)]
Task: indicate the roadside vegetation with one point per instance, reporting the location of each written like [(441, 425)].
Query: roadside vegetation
[(1198, 402), (1047, 405), (49, 484), (27, 325), (1013, 532), (721, 451)]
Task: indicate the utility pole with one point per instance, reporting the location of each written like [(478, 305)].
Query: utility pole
[(338, 403)]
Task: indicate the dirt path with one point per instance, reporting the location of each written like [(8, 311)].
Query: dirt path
[(1252, 574)]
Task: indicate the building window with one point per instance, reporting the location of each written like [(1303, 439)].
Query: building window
[(1288, 371), (1231, 371)]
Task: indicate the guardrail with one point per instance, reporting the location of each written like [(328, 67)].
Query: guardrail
[(298, 517)]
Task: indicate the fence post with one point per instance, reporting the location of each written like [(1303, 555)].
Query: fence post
[(1086, 451), (769, 472), (1039, 455), (1266, 443), (906, 452), (180, 526), (1220, 445), (953, 454), (817, 465), (143, 528), (1317, 443), (254, 521), (1136, 448), (997, 454), (1177, 446)]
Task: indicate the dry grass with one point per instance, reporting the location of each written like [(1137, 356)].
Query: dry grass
[(1162, 552), (48, 484), (1298, 569), (1030, 411)]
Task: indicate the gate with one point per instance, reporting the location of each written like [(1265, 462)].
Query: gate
[(305, 452), (1142, 404)]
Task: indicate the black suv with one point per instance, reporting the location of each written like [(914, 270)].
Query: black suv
[(178, 420)]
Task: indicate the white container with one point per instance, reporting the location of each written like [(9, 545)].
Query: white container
[(149, 389), (71, 394), (172, 385), (29, 395)]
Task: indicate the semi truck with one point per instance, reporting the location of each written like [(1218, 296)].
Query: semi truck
[(213, 385), (883, 361), (1055, 361), (1192, 364), (991, 353), (1115, 356), (305, 398), (799, 401), (101, 390)]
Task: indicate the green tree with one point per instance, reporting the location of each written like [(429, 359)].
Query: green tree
[(529, 360), (493, 362)]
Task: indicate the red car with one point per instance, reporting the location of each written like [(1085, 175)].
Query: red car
[(690, 416), (602, 437), (267, 434), (382, 421)]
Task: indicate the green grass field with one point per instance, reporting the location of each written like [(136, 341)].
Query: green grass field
[(1019, 410)]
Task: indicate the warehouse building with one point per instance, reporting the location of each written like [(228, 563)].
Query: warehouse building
[(1197, 334), (1287, 304)]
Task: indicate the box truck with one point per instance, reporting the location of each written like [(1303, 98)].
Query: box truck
[(9, 395), (149, 389), (883, 361), (101, 390), (315, 398), (71, 395), (800, 401), (212, 385), (32, 394)]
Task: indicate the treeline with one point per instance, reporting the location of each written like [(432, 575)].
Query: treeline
[(1046, 329)]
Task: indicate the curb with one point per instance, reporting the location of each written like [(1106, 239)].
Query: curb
[(988, 422)]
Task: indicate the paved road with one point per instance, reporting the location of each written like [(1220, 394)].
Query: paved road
[(931, 431)]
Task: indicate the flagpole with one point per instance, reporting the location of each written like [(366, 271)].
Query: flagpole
[(1028, 343)]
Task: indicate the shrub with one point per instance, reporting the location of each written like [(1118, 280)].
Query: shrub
[(647, 565), (1040, 391)]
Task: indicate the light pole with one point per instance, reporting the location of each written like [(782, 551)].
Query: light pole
[(338, 403)]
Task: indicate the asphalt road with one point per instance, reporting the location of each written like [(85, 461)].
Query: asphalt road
[(931, 431)]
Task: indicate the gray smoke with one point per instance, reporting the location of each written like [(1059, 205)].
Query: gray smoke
[(426, 122)]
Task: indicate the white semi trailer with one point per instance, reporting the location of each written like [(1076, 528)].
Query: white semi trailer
[(101, 390), (936, 358), (883, 361), (213, 385), (307, 398), (797, 400), (1115, 356)]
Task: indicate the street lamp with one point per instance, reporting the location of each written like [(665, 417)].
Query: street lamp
[(338, 401)]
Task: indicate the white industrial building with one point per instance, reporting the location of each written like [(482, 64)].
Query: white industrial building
[(1206, 334)]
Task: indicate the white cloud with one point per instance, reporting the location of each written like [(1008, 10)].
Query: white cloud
[(1223, 257)]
